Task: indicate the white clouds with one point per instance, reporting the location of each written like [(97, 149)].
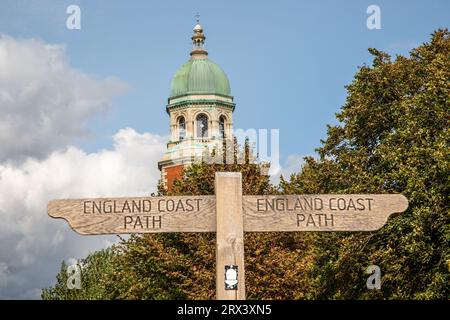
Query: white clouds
[(44, 103), (290, 165), (3, 274), (31, 243)]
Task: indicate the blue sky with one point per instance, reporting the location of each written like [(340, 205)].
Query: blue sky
[(287, 61)]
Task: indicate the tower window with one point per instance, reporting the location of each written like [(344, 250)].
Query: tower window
[(202, 126), (181, 128), (222, 127)]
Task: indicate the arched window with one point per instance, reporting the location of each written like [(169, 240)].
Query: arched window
[(202, 126), (181, 128), (222, 127)]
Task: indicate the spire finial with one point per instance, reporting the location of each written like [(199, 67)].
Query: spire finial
[(198, 40)]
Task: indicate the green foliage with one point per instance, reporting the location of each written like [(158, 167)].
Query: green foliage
[(182, 265), (393, 137), (96, 274)]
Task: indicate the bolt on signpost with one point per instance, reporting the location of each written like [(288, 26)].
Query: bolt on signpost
[(229, 214)]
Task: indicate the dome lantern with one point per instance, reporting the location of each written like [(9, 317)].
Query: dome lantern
[(198, 41)]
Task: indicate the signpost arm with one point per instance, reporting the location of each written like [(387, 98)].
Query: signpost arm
[(230, 236)]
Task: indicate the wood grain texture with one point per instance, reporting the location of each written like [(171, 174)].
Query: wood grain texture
[(355, 212), (137, 215), (358, 212), (230, 233)]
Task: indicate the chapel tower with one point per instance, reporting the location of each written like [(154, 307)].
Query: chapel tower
[(200, 109)]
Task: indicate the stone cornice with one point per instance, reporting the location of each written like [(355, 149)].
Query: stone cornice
[(200, 103)]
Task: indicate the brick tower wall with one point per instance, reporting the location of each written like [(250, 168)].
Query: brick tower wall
[(170, 174)]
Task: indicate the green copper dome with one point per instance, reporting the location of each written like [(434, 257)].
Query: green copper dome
[(200, 76)]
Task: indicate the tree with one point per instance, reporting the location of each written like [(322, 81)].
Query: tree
[(96, 274), (182, 266), (393, 138)]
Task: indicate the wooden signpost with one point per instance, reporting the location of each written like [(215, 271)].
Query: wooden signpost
[(229, 214)]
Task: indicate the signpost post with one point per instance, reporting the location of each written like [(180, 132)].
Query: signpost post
[(229, 214)]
